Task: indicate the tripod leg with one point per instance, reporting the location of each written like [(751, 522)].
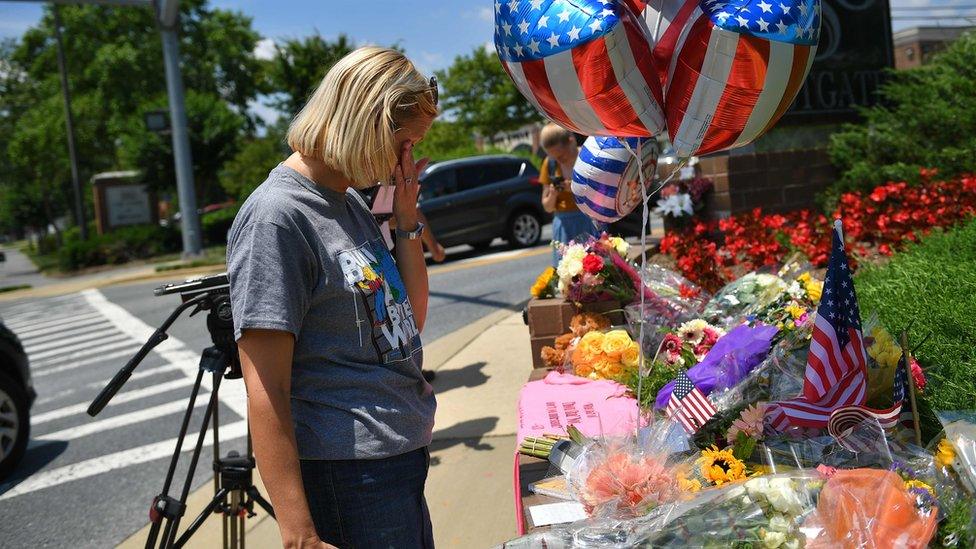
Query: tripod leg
[(201, 518), (175, 523), (154, 530), (265, 504)]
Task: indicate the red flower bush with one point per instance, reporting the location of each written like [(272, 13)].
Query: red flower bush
[(884, 219)]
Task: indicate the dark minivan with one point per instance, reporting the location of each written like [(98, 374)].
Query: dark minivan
[(16, 396), (475, 200)]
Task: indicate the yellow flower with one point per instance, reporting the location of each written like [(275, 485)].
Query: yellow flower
[(615, 342), (720, 466), (909, 484), (542, 281), (884, 350), (945, 455), (814, 290), (795, 310), (591, 344), (631, 355), (620, 245), (805, 277), (689, 484)]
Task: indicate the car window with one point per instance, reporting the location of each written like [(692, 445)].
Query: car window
[(437, 184), (472, 177)]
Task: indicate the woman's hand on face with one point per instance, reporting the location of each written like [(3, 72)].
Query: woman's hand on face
[(407, 188)]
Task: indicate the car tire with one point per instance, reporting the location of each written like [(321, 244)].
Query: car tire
[(524, 229), (14, 423)]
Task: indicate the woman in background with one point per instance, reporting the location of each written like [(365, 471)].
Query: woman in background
[(568, 223)]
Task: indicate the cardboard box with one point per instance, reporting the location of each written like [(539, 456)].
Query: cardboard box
[(549, 317), (537, 344)]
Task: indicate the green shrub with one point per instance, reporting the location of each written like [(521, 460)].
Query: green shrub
[(932, 286), (216, 224), (119, 246), (926, 119)]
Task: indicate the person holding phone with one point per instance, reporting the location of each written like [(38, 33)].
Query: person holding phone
[(328, 323), (568, 221)]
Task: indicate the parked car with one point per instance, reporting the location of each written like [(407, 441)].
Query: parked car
[(475, 200), (16, 397)]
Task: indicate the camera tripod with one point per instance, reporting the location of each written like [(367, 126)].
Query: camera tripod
[(234, 490)]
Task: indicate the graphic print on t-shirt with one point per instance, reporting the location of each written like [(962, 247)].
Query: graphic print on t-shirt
[(370, 271)]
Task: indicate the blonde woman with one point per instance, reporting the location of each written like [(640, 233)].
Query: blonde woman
[(568, 222), (328, 323)]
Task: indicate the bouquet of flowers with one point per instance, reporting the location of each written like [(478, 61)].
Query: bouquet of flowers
[(597, 271), (794, 307), (750, 293), (612, 355)]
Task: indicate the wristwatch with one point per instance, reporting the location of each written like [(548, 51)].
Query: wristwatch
[(410, 235)]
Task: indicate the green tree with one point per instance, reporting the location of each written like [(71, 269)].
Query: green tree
[(927, 119), (114, 59), (446, 140), (479, 94), (298, 67), (257, 156)]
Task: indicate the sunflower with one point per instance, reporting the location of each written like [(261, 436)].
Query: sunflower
[(720, 466), (541, 283)]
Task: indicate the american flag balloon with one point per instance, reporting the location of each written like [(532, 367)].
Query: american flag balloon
[(607, 175), (729, 68), (585, 64)]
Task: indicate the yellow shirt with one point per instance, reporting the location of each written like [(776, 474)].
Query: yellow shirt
[(564, 199)]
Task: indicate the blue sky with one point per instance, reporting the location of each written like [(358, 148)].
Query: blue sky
[(432, 32)]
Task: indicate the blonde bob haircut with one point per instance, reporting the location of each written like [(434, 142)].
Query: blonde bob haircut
[(352, 118)]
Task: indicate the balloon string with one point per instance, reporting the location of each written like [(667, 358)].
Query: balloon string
[(677, 169), (645, 228)]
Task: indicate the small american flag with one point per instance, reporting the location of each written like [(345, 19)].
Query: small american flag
[(836, 373), (688, 405), (901, 395)]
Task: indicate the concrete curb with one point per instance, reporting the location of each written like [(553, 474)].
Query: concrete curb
[(446, 347)]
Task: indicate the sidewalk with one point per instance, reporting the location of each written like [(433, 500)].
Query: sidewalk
[(480, 370)]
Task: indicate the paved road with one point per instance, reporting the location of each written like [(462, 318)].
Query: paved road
[(87, 482)]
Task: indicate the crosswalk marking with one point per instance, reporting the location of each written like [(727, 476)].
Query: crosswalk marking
[(51, 322), (117, 460), (120, 398), (97, 350), (112, 337), (142, 374), (70, 332), (33, 350), (122, 420), (172, 350), (127, 350), (20, 316)]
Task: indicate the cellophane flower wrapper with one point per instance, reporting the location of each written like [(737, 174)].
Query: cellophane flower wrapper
[(761, 512), (658, 317), (960, 431), (627, 477), (676, 289), (751, 292)]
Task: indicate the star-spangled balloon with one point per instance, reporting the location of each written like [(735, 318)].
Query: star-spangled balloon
[(585, 64), (730, 68)]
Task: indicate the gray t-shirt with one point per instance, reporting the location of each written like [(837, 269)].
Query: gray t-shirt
[(311, 261)]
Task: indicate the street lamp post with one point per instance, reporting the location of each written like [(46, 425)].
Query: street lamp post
[(167, 12), (69, 123)]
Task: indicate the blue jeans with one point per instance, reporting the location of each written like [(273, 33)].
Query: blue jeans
[(370, 503)]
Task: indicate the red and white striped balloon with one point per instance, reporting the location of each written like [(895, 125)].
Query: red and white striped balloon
[(729, 69)]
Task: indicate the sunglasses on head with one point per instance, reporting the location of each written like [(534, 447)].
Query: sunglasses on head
[(433, 89)]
